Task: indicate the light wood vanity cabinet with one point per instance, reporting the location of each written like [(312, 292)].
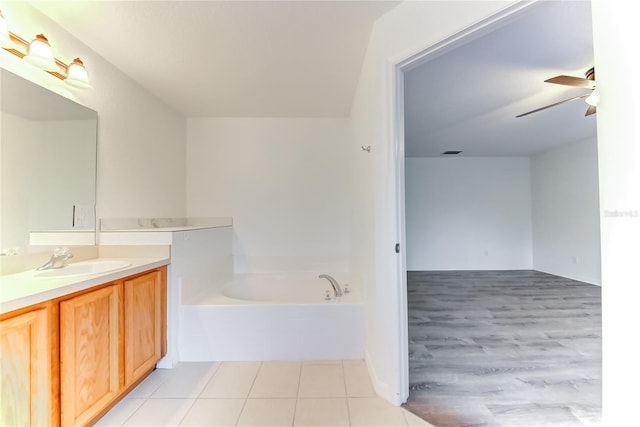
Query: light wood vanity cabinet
[(26, 354), (143, 329), (89, 353), (67, 361)]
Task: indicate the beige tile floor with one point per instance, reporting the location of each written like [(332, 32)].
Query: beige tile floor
[(287, 393)]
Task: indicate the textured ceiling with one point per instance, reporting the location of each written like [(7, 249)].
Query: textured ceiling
[(232, 58), (467, 99), (303, 59)]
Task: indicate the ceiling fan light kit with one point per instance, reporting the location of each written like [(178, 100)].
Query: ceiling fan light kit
[(593, 99), (587, 82)]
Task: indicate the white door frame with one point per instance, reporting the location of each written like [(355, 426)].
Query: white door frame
[(398, 67)]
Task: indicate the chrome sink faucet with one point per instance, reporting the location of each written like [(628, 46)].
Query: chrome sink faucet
[(58, 259), (337, 291)]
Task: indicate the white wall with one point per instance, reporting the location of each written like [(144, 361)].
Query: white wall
[(284, 181), (141, 141), (566, 211), (405, 30), (468, 213), (617, 60)]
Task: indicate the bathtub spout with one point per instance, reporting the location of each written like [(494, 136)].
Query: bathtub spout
[(337, 291)]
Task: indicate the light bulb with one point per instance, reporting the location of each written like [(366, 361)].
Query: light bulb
[(5, 40), (593, 99), (77, 75), (40, 54)]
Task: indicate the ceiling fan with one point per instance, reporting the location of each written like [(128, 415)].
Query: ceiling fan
[(587, 82)]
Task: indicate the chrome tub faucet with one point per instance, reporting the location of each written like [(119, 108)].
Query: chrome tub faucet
[(337, 290)]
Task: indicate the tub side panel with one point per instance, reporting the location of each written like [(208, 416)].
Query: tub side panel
[(271, 332)]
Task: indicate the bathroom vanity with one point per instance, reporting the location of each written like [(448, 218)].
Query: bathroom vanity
[(74, 340), (72, 348)]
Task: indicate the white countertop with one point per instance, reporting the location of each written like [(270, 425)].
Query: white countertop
[(24, 289)]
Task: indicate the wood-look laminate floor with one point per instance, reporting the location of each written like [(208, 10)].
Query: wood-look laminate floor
[(504, 348)]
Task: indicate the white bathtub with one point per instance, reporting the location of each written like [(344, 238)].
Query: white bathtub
[(273, 317)]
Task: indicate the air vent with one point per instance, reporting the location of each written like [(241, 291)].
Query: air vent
[(451, 152)]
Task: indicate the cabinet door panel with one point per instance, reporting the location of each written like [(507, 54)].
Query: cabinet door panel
[(143, 325), (89, 353), (24, 364)]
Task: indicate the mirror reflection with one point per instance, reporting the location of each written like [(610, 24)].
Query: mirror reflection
[(47, 167)]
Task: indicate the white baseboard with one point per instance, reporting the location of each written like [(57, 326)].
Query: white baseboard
[(381, 388), (585, 279)]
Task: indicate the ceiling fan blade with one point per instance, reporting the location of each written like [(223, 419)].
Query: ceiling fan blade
[(572, 81), (554, 104), (591, 110)]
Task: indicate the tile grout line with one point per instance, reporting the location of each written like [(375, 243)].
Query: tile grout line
[(253, 383), (197, 397), (145, 399), (188, 410), (346, 392), (217, 365), (133, 413), (246, 400), (295, 409), (244, 404)]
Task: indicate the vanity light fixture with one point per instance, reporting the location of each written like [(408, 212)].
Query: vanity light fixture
[(39, 54)]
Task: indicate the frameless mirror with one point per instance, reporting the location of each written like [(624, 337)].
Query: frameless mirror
[(47, 168)]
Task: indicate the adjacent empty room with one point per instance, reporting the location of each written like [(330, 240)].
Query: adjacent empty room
[(502, 227)]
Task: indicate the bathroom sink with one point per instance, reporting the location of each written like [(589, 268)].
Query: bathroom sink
[(83, 268)]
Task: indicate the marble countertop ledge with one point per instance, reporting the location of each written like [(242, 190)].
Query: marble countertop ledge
[(109, 225), (22, 289), (165, 229), (154, 231)]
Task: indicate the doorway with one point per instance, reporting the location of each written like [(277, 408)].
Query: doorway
[(484, 254)]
